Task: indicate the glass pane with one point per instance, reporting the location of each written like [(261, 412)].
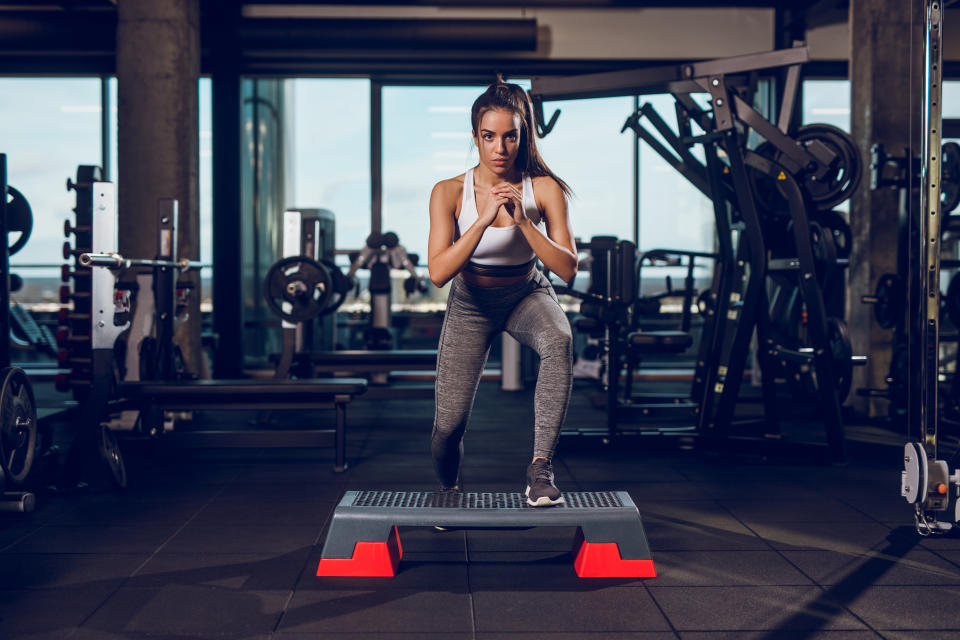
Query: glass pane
[(827, 102), (332, 153), (426, 138), (51, 126), (588, 151), (673, 213)]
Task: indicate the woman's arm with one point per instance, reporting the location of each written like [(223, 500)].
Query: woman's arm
[(556, 250), (445, 258)]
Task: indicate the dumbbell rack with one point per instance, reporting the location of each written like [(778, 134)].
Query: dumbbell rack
[(74, 319)]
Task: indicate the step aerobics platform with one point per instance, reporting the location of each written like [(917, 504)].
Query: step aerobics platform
[(363, 539)]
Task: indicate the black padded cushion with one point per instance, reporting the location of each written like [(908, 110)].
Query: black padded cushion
[(659, 341), (395, 358), (245, 389), (584, 324)]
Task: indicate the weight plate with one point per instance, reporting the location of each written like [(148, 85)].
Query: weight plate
[(844, 173), (824, 251), (341, 286), (19, 218), (842, 351), (112, 457), (891, 301), (18, 426), (840, 228), (949, 177), (298, 288)]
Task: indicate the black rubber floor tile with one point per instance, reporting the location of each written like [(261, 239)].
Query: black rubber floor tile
[(91, 539), (947, 542), (780, 634), (128, 513), (725, 568), (429, 540), (671, 535), (426, 571), (917, 567), (398, 635), (626, 471), (927, 634), (49, 611), (885, 507), (278, 493), (280, 514), (557, 539), (533, 571), (649, 491), (195, 538), (257, 572), (847, 537), (84, 633), (190, 610), (377, 610), (764, 608), (48, 570), (12, 533), (597, 611), (585, 635), (905, 608), (793, 509)]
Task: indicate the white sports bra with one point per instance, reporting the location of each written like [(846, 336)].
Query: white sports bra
[(500, 246)]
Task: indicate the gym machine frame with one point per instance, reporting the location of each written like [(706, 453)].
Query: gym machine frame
[(738, 312), (925, 481)]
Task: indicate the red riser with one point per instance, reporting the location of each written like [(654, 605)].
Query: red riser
[(370, 560), (602, 560)]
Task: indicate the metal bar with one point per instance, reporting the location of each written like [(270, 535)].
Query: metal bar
[(376, 156), (929, 241), (751, 62), (636, 180), (790, 87)]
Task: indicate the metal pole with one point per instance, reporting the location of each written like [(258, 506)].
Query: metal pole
[(105, 144), (927, 323)]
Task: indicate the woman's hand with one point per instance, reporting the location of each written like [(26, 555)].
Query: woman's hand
[(513, 200), (490, 207)]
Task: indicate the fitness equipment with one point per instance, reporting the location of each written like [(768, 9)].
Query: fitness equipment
[(926, 482), (152, 399), (382, 252), (814, 166), (364, 541)]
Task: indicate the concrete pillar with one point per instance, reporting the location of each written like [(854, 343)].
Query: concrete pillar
[(158, 65), (885, 85)]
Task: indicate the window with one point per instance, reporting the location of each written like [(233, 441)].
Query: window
[(51, 126), (426, 138), (332, 153)]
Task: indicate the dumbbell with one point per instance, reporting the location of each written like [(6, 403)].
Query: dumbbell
[(67, 294), (69, 229), (66, 273), (67, 358), (67, 317), (66, 338), (65, 382)]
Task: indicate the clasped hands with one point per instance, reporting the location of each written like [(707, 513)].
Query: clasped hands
[(504, 195)]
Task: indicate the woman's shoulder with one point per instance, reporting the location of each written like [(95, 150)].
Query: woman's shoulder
[(546, 185), (449, 188)]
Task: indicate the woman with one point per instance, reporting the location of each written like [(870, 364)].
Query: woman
[(488, 227)]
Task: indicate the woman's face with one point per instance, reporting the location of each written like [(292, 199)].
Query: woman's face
[(498, 140)]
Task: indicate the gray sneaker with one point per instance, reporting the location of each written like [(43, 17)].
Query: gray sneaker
[(541, 492)]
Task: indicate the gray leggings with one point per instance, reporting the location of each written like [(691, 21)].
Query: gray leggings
[(529, 312)]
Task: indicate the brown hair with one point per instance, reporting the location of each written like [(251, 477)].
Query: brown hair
[(511, 97)]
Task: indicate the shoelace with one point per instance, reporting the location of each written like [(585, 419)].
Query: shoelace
[(543, 472)]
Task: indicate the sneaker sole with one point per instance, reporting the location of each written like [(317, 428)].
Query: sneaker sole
[(542, 501)]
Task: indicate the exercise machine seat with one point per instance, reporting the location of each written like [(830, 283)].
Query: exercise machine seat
[(243, 389), (659, 341)]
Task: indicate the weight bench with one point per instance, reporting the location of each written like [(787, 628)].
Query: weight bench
[(372, 361), (153, 397), (363, 539)]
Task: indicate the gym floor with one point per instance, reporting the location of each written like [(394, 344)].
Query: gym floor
[(227, 544)]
